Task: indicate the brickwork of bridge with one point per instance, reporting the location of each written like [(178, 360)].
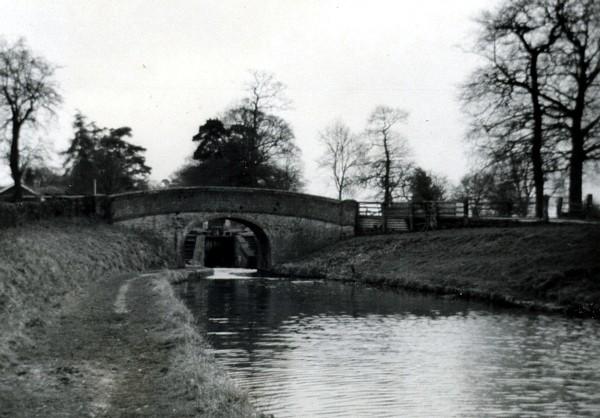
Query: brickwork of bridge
[(287, 225)]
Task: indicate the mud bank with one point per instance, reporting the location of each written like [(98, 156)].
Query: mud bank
[(81, 338), (554, 268)]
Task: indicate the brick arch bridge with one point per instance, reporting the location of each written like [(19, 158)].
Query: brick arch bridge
[(287, 225)]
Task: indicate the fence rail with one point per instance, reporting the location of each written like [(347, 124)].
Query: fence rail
[(369, 208), (373, 217)]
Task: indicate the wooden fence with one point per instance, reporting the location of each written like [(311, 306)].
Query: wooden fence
[(584, 210), (374, 218)]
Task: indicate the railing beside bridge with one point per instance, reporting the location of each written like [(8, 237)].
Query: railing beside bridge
[(374, 218)]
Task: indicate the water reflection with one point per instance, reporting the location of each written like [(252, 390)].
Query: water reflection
[(314, 348)]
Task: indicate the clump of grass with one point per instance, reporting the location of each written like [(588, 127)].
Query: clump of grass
[(193, 367), (43, 264)]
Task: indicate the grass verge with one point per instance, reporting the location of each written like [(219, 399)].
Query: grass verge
[(43, 265), (191, 363), (553, 267)]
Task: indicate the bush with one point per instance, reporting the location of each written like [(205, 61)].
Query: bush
[(21, 213), (9, 215)]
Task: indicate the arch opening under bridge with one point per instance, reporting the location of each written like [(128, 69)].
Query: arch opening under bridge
[(226, 242)]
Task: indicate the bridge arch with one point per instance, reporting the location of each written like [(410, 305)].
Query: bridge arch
[(263, 257), (289, 225)]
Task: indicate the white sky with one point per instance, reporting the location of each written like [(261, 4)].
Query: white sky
[(164, 67)]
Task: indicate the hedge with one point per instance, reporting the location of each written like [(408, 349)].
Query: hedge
[(16, 214)]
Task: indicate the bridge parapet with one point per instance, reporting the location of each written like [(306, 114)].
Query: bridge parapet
[(232, 200)]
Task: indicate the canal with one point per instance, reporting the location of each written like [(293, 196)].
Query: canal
[(317, 348)]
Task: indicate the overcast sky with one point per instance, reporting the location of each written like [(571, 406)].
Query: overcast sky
[(164, 67)]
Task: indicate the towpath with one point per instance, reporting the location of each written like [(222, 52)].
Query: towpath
[(106, 355)]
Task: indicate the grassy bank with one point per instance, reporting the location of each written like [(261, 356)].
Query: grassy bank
[(45, 264), (550, 267), (192, 366), (79, 337)]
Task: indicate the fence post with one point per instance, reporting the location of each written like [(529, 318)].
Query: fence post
[(546, 204), (589, 204), (178, 238), (384, 214), (466, 211), (433, 223), (559, 206)]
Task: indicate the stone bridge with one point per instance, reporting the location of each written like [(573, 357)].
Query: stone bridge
[(287, 225)]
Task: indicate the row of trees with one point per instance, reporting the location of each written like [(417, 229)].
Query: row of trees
[(534, 104), (378, 159), (98, 159), (250, 145), (535, 101)]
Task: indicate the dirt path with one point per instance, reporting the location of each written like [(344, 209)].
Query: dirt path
[(107, 355)]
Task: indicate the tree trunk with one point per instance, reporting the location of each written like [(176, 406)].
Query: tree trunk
[(15, 169), (387, 193), (538, 178), (576, 176), (536, 144), (577, 157)]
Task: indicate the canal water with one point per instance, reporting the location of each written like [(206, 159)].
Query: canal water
[(309, 348)]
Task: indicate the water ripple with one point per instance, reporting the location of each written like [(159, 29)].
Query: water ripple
[(327, 349)]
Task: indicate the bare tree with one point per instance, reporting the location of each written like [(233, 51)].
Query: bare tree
[(573, 96), (265, 94), (27, 89), (344, 155), (475, 187), (506, 94), (388, 167)]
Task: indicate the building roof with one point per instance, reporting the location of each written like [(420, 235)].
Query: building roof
[(27, 189)]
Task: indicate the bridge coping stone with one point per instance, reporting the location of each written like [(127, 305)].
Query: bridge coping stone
[(234, 200)]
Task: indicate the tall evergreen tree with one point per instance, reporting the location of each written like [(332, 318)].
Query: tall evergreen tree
[(102, 155)]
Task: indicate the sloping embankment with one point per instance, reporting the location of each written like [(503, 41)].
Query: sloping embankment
[(78, 338), (552, 268), (44, 265)]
